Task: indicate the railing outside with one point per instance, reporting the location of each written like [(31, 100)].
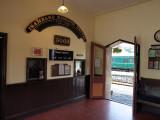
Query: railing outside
[(122, 79)]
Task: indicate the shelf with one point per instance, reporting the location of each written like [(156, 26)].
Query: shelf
[(149, 103)]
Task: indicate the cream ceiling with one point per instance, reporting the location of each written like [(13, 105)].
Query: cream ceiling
[(96, 7)]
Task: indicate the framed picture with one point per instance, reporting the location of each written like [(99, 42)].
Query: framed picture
[(150, 64), (67, 69), (151, 53), (156, 64), (157, 53), (37, 52), (60, 70)]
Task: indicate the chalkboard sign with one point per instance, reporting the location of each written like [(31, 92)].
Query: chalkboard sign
[(60, 55)]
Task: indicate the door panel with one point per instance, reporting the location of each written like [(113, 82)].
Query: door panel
[(98, 64), (3, 59), (97, 89), (136, 74), (108, 81)]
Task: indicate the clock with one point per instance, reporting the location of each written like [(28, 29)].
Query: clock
[(157, 36)]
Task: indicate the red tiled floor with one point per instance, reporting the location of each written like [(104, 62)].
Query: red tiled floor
[(92, 110)]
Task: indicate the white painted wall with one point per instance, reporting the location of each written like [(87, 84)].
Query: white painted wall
[(15, 15), (142, 20)]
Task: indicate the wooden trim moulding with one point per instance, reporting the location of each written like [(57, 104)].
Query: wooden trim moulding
[(119, 40)]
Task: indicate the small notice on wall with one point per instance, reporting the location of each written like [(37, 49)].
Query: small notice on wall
[(67, 69), (61, 69)]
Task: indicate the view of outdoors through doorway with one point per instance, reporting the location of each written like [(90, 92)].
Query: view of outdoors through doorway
[(122, 73)]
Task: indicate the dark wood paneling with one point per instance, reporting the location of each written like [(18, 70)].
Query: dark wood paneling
[(148, 95), (30, 97), (3, 57), (150, 81), (87, 87)]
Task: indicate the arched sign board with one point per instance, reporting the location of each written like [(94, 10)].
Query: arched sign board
[(55, 20)]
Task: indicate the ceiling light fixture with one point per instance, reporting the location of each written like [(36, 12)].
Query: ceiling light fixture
[(63, 9)]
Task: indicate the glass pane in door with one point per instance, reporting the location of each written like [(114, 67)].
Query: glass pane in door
[(98, 63)]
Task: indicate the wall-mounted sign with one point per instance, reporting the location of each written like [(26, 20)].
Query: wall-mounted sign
[(55, 20), (79, 55), (37, 52), (61, 40), (60, 55)]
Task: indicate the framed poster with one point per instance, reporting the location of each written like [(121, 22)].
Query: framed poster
[(67, 69), (150, 64), (156, 64), (61, 69), (158, 53), (54, 70), (151, 53)]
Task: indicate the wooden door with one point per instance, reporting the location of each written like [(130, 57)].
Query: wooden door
[(136, 73), (98, 64), (3, 53)]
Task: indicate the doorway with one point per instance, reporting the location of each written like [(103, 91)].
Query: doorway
[(120, 71), (101, 61)]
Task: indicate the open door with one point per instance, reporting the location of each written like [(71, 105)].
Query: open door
[(98, 64), (136, 74)]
